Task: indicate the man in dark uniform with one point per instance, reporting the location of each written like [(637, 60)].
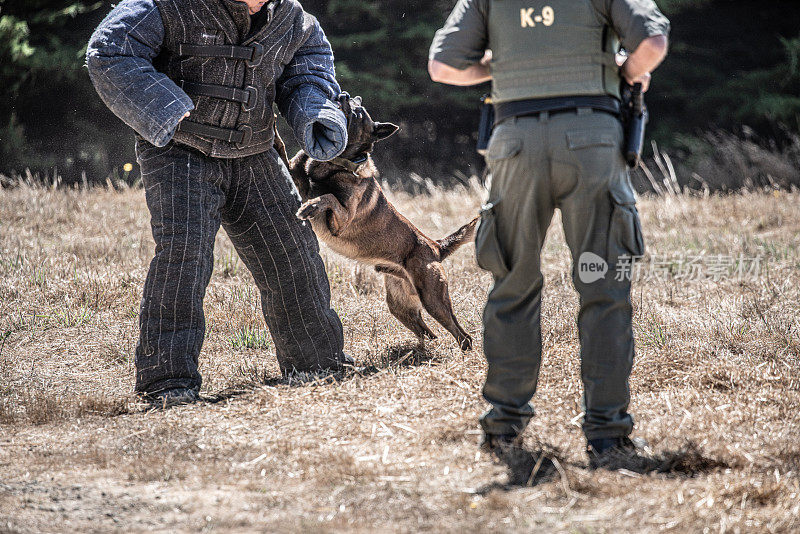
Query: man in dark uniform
[(557, 143), (196, 80)]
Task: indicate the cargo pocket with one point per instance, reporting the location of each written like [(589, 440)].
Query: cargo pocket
[(501, 149), (625, 231), (488, 252)]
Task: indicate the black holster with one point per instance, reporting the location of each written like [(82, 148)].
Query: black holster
[(486, 124), (634, 119)]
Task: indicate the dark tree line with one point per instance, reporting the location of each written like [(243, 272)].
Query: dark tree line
[(734, 66)]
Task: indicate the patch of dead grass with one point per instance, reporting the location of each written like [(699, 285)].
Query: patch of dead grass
[(40, 407), (392, 446)]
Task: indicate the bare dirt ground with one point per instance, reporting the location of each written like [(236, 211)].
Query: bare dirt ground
[(716, 390)]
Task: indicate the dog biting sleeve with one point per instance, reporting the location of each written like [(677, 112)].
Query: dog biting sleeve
[(120, 57), (305, 94)]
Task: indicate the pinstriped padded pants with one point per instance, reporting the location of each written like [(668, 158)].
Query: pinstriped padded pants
[(189, 195)]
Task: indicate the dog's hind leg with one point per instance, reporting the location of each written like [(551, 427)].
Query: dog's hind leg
[(403, 302), (431, 285)]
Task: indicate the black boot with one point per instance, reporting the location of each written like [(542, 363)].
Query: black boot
[(614, 453), (171, 397), (498, 443)]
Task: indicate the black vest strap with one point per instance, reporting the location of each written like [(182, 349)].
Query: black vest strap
[(251, 54), (520, 108), (247, 96), (241, 136)]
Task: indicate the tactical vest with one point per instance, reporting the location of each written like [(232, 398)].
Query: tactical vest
[(229, 75), (550, 48)]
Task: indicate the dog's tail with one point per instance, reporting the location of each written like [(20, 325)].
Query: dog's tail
[(451, 243)]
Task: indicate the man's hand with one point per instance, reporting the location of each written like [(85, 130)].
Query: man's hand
[(647, 56), (644, 79)]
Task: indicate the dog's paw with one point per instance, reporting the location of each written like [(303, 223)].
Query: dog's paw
[(423, 336), (307, 211)]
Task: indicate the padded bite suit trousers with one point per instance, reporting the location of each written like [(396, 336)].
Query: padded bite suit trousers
[(189, 196)]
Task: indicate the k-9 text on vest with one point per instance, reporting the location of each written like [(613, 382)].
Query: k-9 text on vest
[(529, 19)]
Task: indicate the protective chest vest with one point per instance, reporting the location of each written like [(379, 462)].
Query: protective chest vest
[(550, 48), (229, 75)]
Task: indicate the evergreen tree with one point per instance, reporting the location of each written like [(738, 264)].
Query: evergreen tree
[(732, 64), (50, 116)]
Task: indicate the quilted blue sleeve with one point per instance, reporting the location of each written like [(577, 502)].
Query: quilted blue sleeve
[(306, 92), (119, 58)]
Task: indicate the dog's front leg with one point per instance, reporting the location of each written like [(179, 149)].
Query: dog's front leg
[(339, 216)]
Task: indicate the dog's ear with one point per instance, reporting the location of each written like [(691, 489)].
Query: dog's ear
[(383, 130)]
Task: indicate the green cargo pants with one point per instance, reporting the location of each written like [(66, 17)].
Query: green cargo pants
[(571, 161)]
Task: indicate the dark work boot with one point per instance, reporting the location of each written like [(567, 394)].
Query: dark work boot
[(343, 363), (499, 443), (347, 360), (613, 453), (171, 397)]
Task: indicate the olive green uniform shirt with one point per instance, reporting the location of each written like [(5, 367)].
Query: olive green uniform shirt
[(464, 37)]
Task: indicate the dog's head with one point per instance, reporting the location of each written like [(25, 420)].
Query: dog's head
[(362, 131)]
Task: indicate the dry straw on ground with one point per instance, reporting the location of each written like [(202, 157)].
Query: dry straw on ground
[(716, 390)]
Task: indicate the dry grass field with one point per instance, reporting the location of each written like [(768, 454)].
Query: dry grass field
[(393, 447)]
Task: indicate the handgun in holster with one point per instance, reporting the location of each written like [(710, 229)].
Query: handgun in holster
[(486, 124), (634, 119)]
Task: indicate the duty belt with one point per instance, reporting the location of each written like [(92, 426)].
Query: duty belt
[(521, 108)]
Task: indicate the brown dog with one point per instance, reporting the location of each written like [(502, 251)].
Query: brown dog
[(349, 212)]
